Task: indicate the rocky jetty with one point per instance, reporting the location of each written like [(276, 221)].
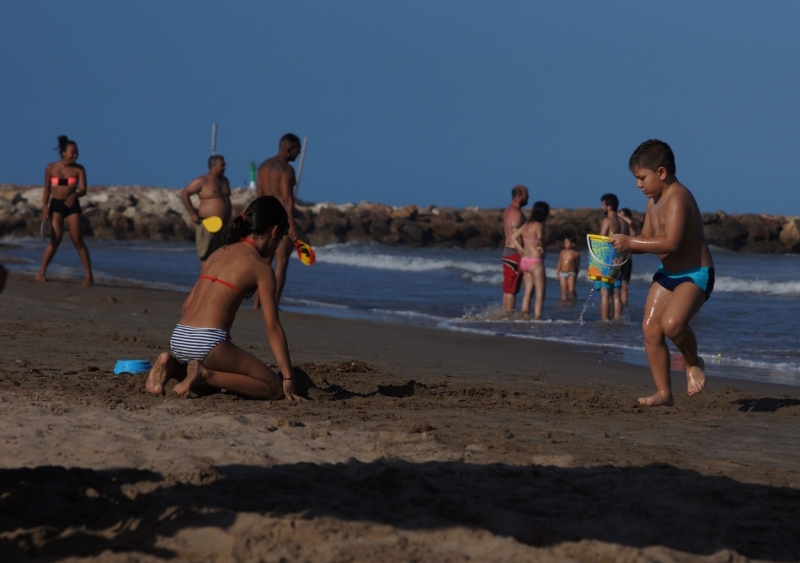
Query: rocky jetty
[(136, 212)]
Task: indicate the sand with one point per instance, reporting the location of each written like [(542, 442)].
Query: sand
[(418, 445)]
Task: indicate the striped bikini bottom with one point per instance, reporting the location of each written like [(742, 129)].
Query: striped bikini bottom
[(192, 343)]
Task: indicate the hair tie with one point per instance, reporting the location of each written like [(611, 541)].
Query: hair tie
[(243, 217)]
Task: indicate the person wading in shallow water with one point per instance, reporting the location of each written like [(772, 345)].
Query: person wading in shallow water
[(65, 180), (512, 220), (201, 339)]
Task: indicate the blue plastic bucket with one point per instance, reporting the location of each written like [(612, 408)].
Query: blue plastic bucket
[(131, 366)]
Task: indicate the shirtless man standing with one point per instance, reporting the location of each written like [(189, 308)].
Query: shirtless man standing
[(276, 178), (512, 220), (215, 201), (611, 294)]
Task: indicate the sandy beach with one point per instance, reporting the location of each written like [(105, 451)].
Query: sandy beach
[(417, 445)]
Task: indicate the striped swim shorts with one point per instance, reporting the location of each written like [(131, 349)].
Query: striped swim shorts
[(192, 343)]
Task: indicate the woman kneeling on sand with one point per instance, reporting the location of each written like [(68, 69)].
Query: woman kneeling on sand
[(202, 337)]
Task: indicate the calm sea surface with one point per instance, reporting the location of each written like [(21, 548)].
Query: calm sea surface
[(748, 329)]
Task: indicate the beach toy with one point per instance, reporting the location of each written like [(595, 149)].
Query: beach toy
[(131, 366), (212, 224), (604, 260), (305, 252), (44, 230)]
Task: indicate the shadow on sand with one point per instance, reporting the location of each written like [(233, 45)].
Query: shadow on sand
[(540, 506)]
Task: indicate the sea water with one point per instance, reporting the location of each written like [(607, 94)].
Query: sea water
[(748, 329)]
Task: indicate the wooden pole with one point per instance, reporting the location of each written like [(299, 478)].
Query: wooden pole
[(213, 138)]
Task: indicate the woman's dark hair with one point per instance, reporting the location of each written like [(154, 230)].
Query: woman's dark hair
[(540, 212), (64, 142), (261, 215)]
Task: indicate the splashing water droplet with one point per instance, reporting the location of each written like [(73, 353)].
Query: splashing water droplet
[(586, 305)]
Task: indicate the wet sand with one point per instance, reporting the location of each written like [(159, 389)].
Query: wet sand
[(418, 445)]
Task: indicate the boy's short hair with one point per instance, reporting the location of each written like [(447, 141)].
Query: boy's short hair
[(625, 212), (570, 238), (610, 200), (540, 211), (652, 155)]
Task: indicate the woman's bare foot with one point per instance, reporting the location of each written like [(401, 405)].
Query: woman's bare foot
[(696, 377), (40, 277), (194, 374), (658, 399), (159, 374)]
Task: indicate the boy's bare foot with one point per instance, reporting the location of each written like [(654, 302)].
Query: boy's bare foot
[(40, 277), (658, 399), (696, 377), (194, 371), (526, 315), (158, 375)]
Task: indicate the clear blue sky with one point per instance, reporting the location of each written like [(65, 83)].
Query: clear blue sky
[(450, 103)]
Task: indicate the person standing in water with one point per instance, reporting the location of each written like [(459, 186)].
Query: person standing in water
[(529, 242), (610, 296), (276, 178), (569, 264), (673, 229), (512, 220), (214, 192), (65, 181), (626, 270)]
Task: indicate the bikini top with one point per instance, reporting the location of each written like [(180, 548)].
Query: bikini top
[(247, 294), (63, 181)]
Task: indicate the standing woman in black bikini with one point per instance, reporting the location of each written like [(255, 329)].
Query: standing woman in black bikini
[(65, 180)]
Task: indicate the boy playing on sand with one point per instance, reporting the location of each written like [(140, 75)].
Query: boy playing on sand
[(569, 263), (673, 229), (610, 294)]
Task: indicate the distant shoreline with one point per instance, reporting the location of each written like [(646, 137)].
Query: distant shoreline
[(153, 213)]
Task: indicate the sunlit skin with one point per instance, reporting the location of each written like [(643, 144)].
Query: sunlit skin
[(512, 220), (611, 299), (67, 167), (214, 192), (535, 278), (673, 229), (569, 260), (276, 178), (214, 306)]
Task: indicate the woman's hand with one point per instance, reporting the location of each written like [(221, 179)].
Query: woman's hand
[(290, 392)]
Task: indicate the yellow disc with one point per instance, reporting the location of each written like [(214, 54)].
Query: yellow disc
[(212, 224)]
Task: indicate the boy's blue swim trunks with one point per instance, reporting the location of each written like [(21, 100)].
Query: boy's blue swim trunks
[(702, 277)]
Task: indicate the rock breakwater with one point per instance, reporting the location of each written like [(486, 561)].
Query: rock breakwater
[(136, 212)]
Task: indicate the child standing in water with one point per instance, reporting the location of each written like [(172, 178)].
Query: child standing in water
[(529, 242), (569, 263), (673, 229)]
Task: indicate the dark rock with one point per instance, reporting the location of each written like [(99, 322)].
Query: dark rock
[(726, 233)]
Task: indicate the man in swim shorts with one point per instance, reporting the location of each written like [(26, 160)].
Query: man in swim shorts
[(673, 229), (610, 294), (512, 275), (214, 192)]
